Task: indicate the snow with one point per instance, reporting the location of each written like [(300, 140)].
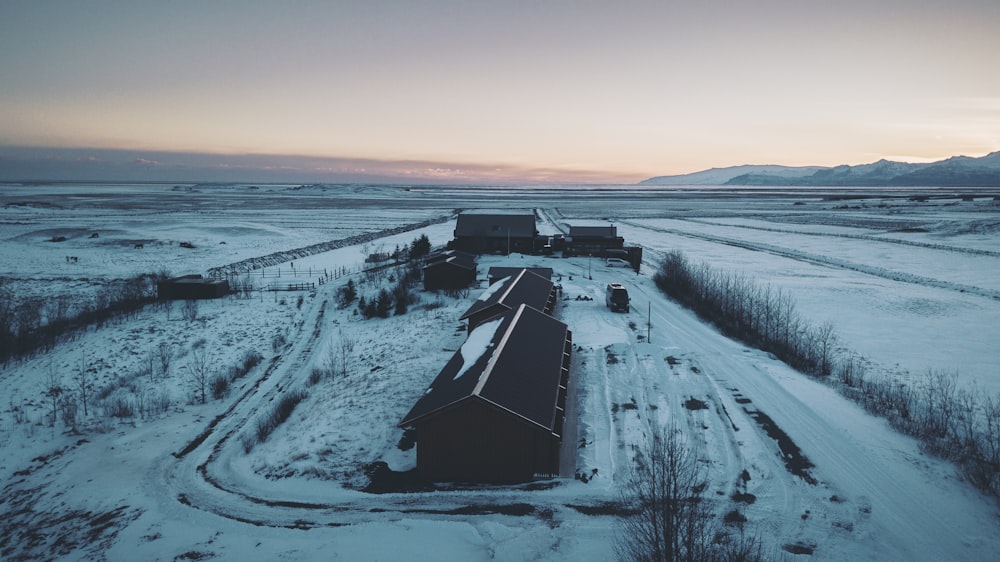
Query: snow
[(298, 495), (477, 345), (492, 289)]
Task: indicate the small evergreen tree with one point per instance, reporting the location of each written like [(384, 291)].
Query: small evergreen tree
[(383, 303), (421, 247), (348, 293)]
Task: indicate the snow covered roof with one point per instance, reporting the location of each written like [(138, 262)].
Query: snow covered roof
[(513, 362), (495, 225), (460, 260), (500, 272), (523, 287)]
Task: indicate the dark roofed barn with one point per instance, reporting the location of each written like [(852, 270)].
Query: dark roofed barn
[(495, 413), (188, 287), (483, 233), (454, 271), (524, 287)]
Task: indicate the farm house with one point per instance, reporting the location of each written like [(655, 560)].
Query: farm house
[(524, 287), (495, 232), (495, 413)]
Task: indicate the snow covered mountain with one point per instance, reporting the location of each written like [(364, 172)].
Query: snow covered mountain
[(720, 176), (958, 171)]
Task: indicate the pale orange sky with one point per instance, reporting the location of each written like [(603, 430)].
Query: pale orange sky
[(576, 89)]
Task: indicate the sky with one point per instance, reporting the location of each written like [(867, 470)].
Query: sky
[(513, 91)]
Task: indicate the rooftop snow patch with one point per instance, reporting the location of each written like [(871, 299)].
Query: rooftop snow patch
[(479, 342)]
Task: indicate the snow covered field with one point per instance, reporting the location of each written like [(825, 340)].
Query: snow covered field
[(910, 285)]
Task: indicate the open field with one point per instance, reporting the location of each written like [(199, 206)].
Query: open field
[(910, 285)]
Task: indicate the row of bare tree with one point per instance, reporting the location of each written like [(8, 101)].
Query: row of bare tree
[(761, 315), (31, 325)]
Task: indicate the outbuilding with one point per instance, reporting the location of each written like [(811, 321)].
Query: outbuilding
[(495, 413), (450, 270), (189, 287)]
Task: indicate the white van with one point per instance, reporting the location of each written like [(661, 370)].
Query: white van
[(616, 297)]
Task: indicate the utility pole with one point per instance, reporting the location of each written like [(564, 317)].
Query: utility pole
[(649, 321)]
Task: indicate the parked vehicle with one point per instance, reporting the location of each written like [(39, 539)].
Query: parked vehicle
[(617, 262), (616, 297)]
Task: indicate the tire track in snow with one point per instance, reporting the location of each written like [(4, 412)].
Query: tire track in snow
[(826, 261), (868, 237)]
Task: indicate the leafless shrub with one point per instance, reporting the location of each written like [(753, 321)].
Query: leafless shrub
[(164, 356), (189, 310), (278, 342), (120, 405), (248, 361), (219, 386), (266, 424)]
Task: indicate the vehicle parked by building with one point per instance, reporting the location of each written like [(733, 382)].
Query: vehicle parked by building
[(616, 297)]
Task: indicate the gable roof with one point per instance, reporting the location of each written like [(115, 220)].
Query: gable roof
[(495, 225), (513, 362), (524, 287), (501, 272), (460, 260), (441, 255)]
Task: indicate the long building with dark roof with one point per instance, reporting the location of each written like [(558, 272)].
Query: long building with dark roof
[(521, 287), (495, 413)]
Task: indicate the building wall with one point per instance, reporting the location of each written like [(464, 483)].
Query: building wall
[(489, 245), (478, 442), (186, 289)]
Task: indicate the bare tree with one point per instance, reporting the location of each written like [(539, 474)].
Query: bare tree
[(190, 310), (165, 354), (53, 391), (83, 384), (669, 518), (198, 370)]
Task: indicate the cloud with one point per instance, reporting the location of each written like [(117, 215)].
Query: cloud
[(75, 164)]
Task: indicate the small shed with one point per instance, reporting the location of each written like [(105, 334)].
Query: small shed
[(457, 270), (524, 287), (497, 273), (484, 232), (495, 413), (189, 287)]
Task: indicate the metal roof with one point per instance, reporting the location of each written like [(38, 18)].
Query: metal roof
[(495, 225), (518, 371), (525, 287)]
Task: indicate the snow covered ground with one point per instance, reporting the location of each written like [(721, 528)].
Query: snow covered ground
[(910, 285)]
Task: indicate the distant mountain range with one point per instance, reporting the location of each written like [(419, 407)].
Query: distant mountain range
[(958, 171)]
